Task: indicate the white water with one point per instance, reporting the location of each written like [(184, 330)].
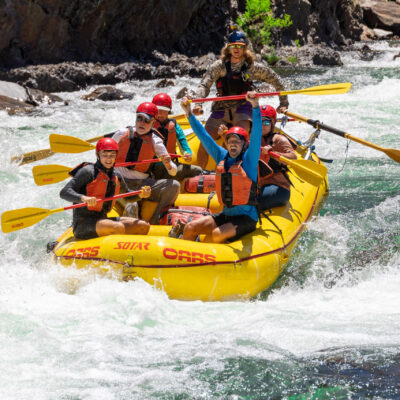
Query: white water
[(69, 335)]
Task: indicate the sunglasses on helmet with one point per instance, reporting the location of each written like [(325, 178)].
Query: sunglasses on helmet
[(141, 118)]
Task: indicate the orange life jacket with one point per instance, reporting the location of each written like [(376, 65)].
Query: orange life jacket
[(268, 166), (134, 147), (101, 187), (168, 133), (234, 187)]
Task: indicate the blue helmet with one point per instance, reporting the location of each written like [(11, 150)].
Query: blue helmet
[(237, 37)]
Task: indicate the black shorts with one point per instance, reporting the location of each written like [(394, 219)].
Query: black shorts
[(85, 227), (244, 224)]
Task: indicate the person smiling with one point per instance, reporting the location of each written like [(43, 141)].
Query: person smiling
[(143, 143), (236, 179), (97, 181), (233, 74)]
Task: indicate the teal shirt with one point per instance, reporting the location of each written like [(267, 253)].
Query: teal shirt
[(181, 138)]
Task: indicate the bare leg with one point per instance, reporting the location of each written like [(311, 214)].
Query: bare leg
[(224, 232), (134, 226), (204, 225)]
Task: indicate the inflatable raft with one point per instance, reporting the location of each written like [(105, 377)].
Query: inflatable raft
[(189, 270)]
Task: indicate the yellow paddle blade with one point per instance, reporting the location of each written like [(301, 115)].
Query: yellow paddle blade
[(335, 88), (48, 174), (307, 170), (15, 220), (32, 156), (68, 144), (394, 154)]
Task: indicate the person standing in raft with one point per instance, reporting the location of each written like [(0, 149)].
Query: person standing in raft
[(143, 143), (233, 75), (172, 134), (236, 179), (98, 181), (273, 180)]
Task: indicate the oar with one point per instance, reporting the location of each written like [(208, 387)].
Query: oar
[(37, 155), (53, 173), (22, 218), (335, 88), (307, 170), (394, 154)]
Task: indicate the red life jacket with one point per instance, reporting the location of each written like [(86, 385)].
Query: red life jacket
[(101, 187), (234, 187), (134, 147), (233, 82), (200, 184), (168, 133)]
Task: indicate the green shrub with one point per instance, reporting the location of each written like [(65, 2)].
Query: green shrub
[(258, 21), (292, 59), (272, 58)]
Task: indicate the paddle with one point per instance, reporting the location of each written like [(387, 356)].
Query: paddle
[(335, 88), (37, 155), (22, 218), (53, 173), (307, 170), (394, 154)]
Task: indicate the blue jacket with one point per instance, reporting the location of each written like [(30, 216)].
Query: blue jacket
[(250, 157)]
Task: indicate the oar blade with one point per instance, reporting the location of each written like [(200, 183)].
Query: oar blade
[(32, 156), (335, 88), (394, 154), (15, 220), (68, 144), (309, 171), (49, 174)]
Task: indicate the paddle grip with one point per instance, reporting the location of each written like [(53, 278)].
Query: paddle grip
[(319, 125)]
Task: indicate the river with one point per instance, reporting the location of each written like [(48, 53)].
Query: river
[(329, 328)]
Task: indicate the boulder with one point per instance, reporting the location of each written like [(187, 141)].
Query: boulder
[(107, 93), (14, 106), (382, 14)]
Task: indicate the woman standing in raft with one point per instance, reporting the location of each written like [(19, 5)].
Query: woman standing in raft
[(98, 181), (234, 74), (236, 179)]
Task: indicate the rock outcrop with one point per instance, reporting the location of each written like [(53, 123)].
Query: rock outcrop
[(383, 15)]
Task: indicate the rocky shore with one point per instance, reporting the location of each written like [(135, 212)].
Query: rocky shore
[(53, 47)]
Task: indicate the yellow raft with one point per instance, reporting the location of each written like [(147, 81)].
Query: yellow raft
[(188, 270)]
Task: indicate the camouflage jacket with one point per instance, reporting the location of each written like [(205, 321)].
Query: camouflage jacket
[(256, 72)]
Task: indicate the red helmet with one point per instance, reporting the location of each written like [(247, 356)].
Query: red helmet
[(268, 112), (106, 144), (162, 101), (237, 130), (147, 108)]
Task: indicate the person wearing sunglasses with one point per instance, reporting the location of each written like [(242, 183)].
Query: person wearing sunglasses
[(139, 143), (273, 180), (233, 74), (172, 135), (236, 179)]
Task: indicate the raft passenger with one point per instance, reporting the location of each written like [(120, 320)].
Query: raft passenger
[(172, 135), (233, 74), (236, 179), (143, 143), (273, 181), (98, 181)]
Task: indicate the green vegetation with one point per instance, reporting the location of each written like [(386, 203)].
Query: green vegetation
[(292, 59), (272, 58), (258, 21)]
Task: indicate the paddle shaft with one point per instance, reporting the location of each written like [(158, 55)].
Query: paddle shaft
[(394, 154), (116, 197)]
